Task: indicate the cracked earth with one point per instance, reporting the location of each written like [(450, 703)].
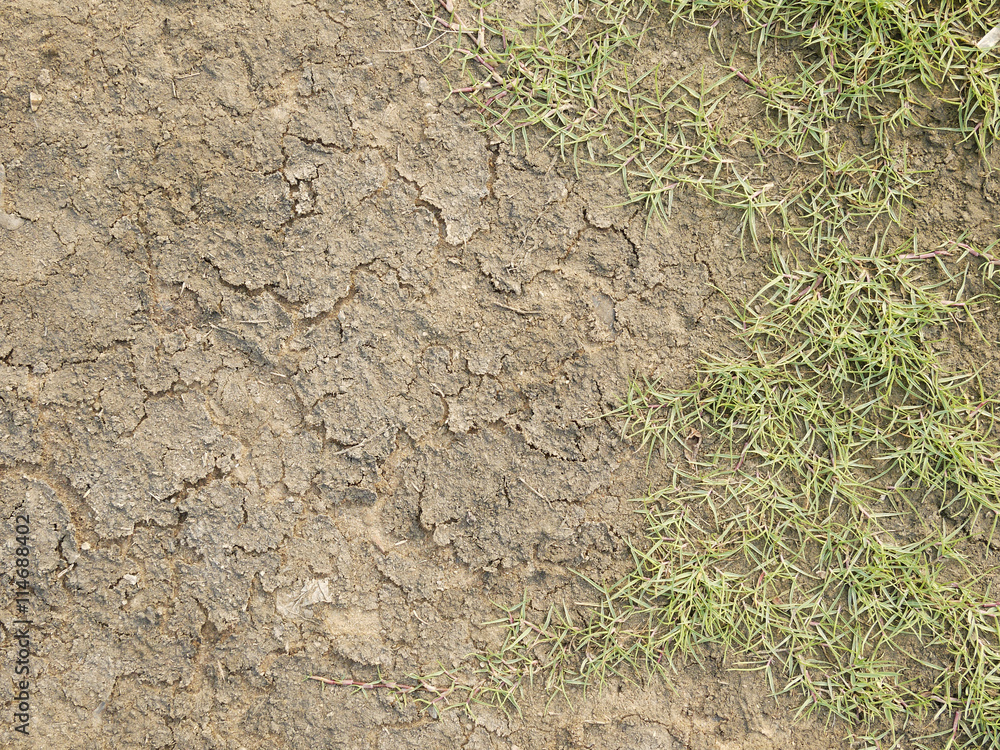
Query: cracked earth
[(301, 372)]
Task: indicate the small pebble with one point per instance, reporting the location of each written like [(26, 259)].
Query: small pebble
[(7, 221)]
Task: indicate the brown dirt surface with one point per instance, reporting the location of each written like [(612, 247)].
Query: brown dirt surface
[(301, 372)]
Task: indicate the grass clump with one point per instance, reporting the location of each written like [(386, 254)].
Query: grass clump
[(876, 58), (794, 534), (791, 168)]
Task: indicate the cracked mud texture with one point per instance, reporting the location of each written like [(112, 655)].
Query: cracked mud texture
[(300, 372)]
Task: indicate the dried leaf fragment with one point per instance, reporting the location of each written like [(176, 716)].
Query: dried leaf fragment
[(991, 39)]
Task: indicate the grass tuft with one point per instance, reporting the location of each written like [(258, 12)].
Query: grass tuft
[(577, 75), (835, 438)]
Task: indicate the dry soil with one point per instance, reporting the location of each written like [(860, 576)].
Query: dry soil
[(301, 372)]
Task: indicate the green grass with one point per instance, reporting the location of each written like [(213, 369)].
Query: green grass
[(574, 76), (798, 533)]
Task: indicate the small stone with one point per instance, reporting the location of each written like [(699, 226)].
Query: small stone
[(44, 77), (35, 100)]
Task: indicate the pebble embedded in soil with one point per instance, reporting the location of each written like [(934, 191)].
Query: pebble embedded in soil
[(7, 221)]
